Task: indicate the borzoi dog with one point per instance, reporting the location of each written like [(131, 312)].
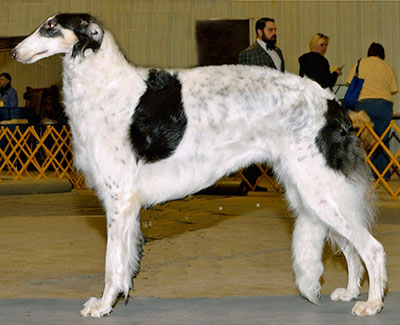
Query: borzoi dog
[(145, 136)]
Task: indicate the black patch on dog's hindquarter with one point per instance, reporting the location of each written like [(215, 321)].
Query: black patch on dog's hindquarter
[(159, 121), (338, 143)]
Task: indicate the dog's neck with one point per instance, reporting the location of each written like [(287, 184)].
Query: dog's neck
[(86, 77), (106, 67), (108, 52)]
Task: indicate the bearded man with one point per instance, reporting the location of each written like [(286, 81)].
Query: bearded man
[(264, 51)]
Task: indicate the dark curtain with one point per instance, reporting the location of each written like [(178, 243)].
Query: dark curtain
[(220, 41)]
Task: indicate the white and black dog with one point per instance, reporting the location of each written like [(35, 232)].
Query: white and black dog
[(145, 136)]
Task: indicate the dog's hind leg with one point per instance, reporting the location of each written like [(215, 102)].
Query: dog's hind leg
[(124, 252), (330, 206), (307, 245), (373, 255), (355, 273)]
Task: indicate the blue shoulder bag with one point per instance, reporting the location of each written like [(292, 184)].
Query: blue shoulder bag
[(353, 92)]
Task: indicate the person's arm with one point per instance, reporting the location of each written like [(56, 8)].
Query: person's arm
[(245, 57), (301, 69), (333, 77), (328, 79), (394, 87), (13, 100), (351, 74)]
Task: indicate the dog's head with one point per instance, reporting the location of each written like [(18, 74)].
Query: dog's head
[(72, 34)]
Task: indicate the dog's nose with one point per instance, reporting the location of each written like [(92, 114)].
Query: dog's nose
[(13, 53)]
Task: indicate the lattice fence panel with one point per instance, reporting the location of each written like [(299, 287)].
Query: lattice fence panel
[(38, 150), (43, 151)]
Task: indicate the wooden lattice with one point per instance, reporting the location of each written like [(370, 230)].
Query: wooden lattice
[(44, 151), (393, 166), (38, 150)]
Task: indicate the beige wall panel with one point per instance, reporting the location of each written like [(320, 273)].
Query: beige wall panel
[(390, 34), (287, 26), (221, 9), (140, 41), (143, 5), (351, 45), (240, 10), (308, 23), (371, 23), (257, 9)]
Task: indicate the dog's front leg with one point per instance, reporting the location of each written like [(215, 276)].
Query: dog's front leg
[(124, 252)]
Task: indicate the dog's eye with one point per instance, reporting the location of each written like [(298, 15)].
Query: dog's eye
[(51, 25)]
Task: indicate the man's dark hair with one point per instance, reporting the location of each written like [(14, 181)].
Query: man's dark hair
[(260, 24), (6, 75), (376, 49)]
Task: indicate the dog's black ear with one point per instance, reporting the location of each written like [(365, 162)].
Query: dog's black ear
[(91, 28), (90, 35)]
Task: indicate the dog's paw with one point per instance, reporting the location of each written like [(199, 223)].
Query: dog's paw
[(342, 294), (311, 293), (95, 308), (367, 308)]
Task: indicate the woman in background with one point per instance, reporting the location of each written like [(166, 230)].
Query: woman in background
[(8, 95), (315, 66), (380, 84)]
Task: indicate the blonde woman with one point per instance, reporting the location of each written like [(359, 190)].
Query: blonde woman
[(315, 66)]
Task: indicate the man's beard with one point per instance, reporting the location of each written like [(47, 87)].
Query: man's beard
[(270, 42)]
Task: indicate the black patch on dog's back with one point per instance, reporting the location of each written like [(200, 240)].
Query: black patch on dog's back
[(159, 121), (338, 143)]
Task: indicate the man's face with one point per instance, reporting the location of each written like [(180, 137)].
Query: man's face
[(268, 34), (3, 81)]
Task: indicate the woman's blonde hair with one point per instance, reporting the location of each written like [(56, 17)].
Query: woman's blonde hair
[(318, 39)]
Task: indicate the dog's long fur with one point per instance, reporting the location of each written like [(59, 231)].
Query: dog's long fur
[(145, 136)]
